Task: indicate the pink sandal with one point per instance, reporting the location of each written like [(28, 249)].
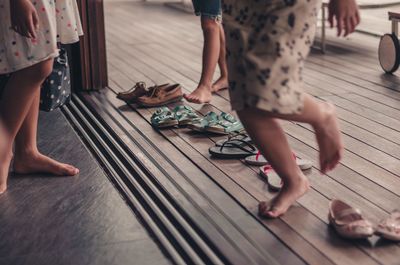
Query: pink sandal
[(390, 227), (275, 183), (259, 160), (348, 221)]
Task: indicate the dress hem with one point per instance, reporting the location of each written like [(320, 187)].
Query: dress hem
[(31, 63)]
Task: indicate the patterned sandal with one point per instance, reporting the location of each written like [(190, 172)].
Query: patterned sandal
[(185, 115), (390, 227), (348, 221), (225, 124), (163, 118), (200, 126)]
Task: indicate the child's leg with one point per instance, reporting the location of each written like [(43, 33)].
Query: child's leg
[(222, 81), (27, 158), (17, 99), (269, 137), (211, 49)]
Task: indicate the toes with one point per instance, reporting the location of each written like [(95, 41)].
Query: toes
[(70, 170), (267, 211), (263, 208), (328, 164), (273, 213)]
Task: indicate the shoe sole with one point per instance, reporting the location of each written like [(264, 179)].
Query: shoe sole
[(160, 104)]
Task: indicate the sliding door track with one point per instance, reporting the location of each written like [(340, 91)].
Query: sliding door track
[(181, 242), (189, 226)]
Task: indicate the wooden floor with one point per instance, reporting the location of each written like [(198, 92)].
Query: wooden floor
[(48, 220), (153, 43)]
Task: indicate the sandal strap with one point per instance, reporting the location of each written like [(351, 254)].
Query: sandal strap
[(347, 212), (360, 223), (162, 114), (234, 144)]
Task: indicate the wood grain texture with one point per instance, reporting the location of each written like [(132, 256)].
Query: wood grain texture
[(168, 48), (67, 219)]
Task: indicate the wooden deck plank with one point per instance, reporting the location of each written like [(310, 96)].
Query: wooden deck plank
[(368, 175), (56, 220), (215, 199)]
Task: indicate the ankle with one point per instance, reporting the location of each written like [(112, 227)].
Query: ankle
[(204, 86), (224, 76), (299, 181), (26, 152)]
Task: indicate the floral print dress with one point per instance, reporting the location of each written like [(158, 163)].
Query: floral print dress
[(267, 44), (58, 22)]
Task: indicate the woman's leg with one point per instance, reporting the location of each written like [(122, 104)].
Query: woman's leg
[(222, 81), (16, 101), (211, 50), (263, 127), (27, 158)]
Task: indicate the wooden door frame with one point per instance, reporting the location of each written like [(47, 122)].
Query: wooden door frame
[(89, 60)]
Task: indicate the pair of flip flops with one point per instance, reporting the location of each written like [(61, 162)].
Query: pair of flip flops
[(350, 223), (235, 147), (181, 115), (274, 181), (223, 123)]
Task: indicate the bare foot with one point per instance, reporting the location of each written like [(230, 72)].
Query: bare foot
[(289, 193), (4, 168), (220, 84), (38, 163), (202, 94), (329, 139)]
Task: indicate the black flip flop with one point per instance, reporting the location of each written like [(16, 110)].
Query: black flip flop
[(239, 136), (235, 149)]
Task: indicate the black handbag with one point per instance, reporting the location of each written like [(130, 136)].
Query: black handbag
[(56, 89)]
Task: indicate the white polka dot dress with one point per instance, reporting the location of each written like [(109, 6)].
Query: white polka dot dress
[(58, 22)]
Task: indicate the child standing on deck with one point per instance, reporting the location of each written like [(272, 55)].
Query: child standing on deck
[(29, 32), (267, 43), (213, 51)]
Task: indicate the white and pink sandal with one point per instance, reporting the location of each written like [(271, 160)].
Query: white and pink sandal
[(259, 160), (275, 183), (348, 221), (390, 228)]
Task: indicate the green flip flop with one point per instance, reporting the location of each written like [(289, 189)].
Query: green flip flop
[(163, 118), (225, 124), (185, 115), (210, 117)]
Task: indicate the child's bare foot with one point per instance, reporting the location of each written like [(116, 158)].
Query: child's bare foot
[(289, 193), (329, 139), (220, 84), (202, 94), (38, 163), (4, 168)]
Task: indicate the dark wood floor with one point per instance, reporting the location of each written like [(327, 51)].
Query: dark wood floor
[(70, 220), (153, 43)]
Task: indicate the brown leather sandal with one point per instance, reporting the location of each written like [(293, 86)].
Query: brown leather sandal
[(138, 90), (161, 96)]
